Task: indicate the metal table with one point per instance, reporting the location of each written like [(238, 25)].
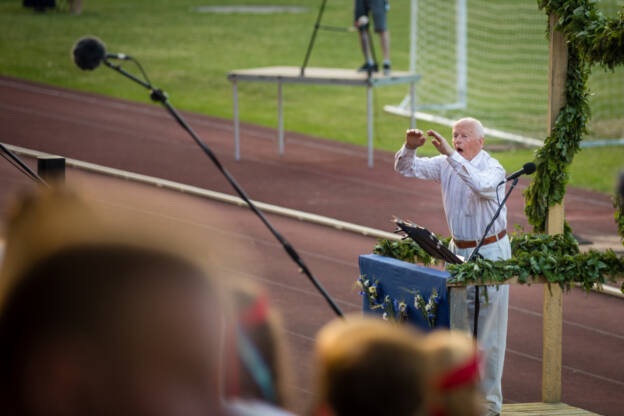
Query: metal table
[(320, 76)]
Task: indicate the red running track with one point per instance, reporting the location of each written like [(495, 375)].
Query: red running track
[(317, 176)]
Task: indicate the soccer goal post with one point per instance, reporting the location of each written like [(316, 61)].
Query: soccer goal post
[(488, 59)]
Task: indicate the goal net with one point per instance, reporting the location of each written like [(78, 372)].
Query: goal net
[(488, 59)]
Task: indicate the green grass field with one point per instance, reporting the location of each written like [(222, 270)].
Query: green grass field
[(188, 54)]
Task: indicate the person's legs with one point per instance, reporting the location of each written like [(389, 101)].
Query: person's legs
[(365, 44), (492, 331), (378, 10), (360, 15), (492, 337), (384, 38)]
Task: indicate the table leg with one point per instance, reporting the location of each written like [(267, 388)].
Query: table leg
[(412, 106), (280, 120), (369, 118), (236, 127)]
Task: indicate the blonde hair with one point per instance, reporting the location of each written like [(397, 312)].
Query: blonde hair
[(446, 351), (366, 366), (264, 332), (70, 275), (48, 220)]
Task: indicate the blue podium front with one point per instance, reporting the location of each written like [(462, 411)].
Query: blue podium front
[(401, 291)]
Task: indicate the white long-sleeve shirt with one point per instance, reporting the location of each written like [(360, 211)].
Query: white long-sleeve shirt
[(468, 189)]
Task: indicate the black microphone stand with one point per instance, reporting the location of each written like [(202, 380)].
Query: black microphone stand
[(24, 167), (161, 97), (317, 25), (476, 251)]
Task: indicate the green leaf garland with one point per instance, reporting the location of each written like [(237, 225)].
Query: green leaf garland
[(618, 204), (592, 39), (556, 258)]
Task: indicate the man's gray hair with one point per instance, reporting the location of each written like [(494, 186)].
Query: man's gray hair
[(476, 123)]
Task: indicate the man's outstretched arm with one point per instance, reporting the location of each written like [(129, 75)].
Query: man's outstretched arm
[(408, 164)]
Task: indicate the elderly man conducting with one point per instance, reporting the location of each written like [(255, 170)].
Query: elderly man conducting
[(469, 177)]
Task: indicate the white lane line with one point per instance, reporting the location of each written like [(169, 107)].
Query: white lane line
[(298, 335), (248, 238), (239, 235), (571, 323), (254, 241), (108, 128), (569, 368), (314, 293)]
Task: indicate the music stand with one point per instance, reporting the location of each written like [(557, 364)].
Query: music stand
[(427, 240)]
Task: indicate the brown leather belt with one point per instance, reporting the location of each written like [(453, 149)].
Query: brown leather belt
[(470, 244)]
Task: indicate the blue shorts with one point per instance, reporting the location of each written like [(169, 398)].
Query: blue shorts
[(375, 7)]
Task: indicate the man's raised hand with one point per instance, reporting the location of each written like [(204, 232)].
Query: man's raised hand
[(414, 138), (440, 143)]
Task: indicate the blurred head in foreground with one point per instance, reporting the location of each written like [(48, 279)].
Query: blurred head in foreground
[(258, 369), (366, 366), (453, 374), (96, 319)]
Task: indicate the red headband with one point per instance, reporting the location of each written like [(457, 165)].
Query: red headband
[(256, 313), (461, 375)]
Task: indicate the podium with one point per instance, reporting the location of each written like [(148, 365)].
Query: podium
[(398, 283)]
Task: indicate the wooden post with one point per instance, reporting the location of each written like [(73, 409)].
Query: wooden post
[(51, 169), (552, 326), (458, 304)]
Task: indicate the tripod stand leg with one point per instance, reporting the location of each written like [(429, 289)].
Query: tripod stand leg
[(316, 27)]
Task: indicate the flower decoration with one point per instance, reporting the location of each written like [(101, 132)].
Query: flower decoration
[(428, 308), (393, 310), (370, 290)]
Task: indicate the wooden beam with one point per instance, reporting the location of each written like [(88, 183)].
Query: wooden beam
[(552, 326)]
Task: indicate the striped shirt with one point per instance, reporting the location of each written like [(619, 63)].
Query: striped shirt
[(468, 189)]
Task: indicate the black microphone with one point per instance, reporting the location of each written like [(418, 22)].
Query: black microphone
[(527, 169), (89, 51)]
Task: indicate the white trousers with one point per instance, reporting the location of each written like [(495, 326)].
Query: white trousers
[(492, 324)]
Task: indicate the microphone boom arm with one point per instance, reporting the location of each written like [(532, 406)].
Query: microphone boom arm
[(26, 170), (487, 229), (161, 97)]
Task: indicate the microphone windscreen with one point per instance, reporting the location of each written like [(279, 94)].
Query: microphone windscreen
[(88, 52), (529, 168)]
